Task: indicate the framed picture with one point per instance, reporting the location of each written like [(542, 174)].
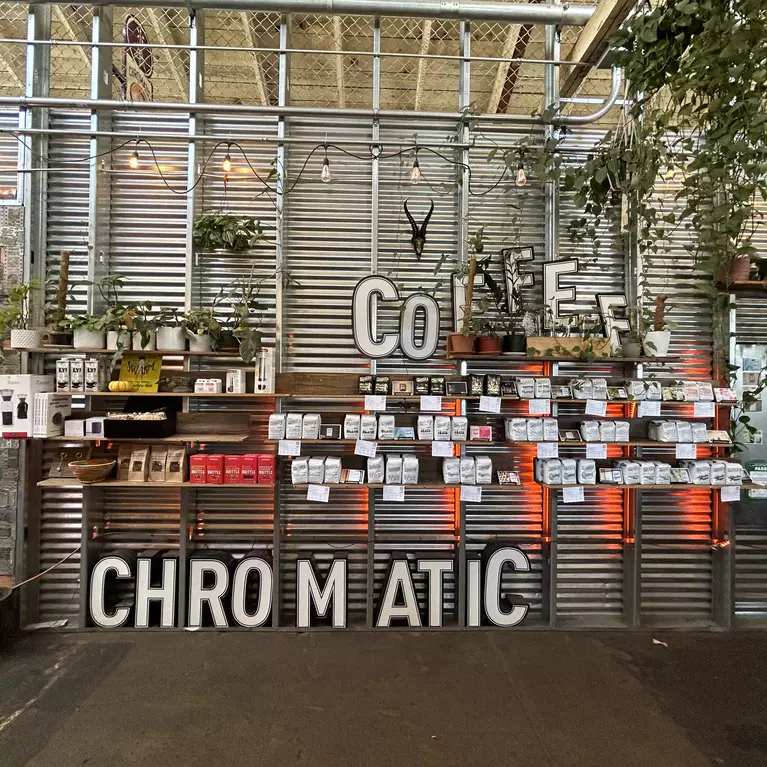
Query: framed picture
[(508, 478), (456, 388), (402, 386)]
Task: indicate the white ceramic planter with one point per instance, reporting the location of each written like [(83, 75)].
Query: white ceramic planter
[(88, 339), (656, 343), (631, 349), (118, 339), (140, 346), (171, 340), (26, 339), (201, 343)]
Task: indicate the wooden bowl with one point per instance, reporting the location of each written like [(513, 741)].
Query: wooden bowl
[(93, 470)]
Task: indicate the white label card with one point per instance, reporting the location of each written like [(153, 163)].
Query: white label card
[(704, 409), (375, 402), (433, 404), (596, 452), (596, 407), (730, 493), (758, 477), (490, 404), (394, 493), (471, 493), (648, 409), (365, 447), (686, 450), (442, 449), (539, 406), (319, 493), (548, 450), (289, 447), (572, 494)]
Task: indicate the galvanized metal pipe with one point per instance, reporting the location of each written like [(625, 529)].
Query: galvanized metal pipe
[(608, 104)]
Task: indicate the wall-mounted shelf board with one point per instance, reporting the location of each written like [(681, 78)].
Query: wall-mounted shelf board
[(177, 438), (71, 482)]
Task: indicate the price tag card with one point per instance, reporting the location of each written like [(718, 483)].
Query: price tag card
[(289, 447), (365, 447), (432, 404), (490, 404), (758, 477), (548, 450), (596, 407), (442, 449), (757, 493), (394, 493), (730, 493), (572, 495), (319, 493), (471, 493), (704, 409), (375, 402), (539, 406), (596, 452), (648, 409), (685, 450)]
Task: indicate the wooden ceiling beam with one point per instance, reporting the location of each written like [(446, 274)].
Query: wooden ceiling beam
[(424, 51), (166, 39), (509, 46), (5, 63), (338, 45), (258, 73), (76, 30)]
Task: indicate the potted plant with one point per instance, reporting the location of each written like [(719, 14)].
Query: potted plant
[(144, 326), (631, 343), (509, 339), (170, 332), (658, 338), (236, 233), (56, 310), (202, 329), (462, 342), (118, 337), (14, 317), (488, 340), (88, 331)]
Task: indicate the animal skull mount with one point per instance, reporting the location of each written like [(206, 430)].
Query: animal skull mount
[(418, 239)]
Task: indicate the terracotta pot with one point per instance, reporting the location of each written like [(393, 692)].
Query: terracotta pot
[(489, 345), (740, 269), (458, 343)]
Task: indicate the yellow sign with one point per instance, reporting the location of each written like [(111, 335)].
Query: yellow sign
[(142, 371)]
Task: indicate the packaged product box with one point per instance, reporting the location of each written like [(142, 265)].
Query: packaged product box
[(460, 428), (622, 431), (632, 472), (734, 473), (551, 471), (700, 472), (236, 381), (214, 469), (451, 471), (483, 466), (249, 469), (393, 469), (492, 385), (582, 388), (705, 391), (62, 374), (175, 464), (74, 427), (294, 424), (587, 471), (330, 431), (385, 426), (635, 390), (316, 470), (442, 428), (476, 385), (653, 390), (516, 429), (667, 431), (662, 473), (232, 470), (425, 427), (368, 427), (607, 431), (332, 470), (299, 470), (589, 431), (158, 458), (550, 429), (480, 433), (376, 470), (267, 473), (365, 385), (569, 471), (684, 431), (265, 370), (94, 427), (17, 402), (691, 391), (409, 470), (124, 454), (538, 469), (277, 426), (77, 376), (647, 473), (311, 426), (526, 388), (198, 469), (699, 431), (542, 388), (468, 471), (598, 388), (139, 465), (50, 411), (718, 473), (351, 426), (382, 385), (535, 430), (95, 375)]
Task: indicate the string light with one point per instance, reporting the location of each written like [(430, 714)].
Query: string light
[(521, 177), (133, 163), (226, 165), (325, 176), (415, 174)]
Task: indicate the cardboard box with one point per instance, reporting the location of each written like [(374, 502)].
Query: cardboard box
[(232, 470), (17, 403), (62, 374), (249, 469), (95, 375), (94, 427), (267, 473), (198, 469), (235, 381), (77, 375), (74, 427), (214, 469), (265, 369), (50, 411)]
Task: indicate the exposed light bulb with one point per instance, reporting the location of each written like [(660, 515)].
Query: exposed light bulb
[(415, 174), (133, 163), (226, 165), (325, 175), (521, 177)]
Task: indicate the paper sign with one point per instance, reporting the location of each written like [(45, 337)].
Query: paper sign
[(471, 493), (394, 493), (433, 404), (596, 407), (685, 450), (572, 495), (548, 450), (289, 447), (730, 493), (490, 404), (758, 477), (442, 449), (319, 493), (704, 409), (539, 406), (375, 402), (596, 452), (648, 409), (365, 447), (757, 493)]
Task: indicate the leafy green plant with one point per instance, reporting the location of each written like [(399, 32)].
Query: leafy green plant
[(14, 313), (168, 317), (230, 232), (201, 322), (90, 322), (143, 321)]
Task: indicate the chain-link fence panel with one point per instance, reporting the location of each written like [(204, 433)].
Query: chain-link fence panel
[(70, 60), (13, 26)]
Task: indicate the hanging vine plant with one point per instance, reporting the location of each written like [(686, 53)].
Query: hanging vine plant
[(236, 233)]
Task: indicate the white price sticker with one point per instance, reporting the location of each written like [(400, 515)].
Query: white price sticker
[(548, 450), (596, 407), (686, 450), (490, 404), (289, 447), (539, 406), (394, 493), (597, 452), (442, 449), (319, 493), (431, 404), (471, 493), (572, 495), (703, 409), (648, 409), (375, 402), (365, 447), (730, 493)]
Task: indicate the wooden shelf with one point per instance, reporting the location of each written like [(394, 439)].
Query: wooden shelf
[(72, 350), (201, 395), (480, 443), (177, 438), (71, 482), (757, 286), (420, 485), (519, 357), (632, 443), (471, 443), (676, 486)]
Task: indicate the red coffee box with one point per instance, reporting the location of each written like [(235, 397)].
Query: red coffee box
[(198, 469), (215, 470), (250, 469), (233, 469), (266, 472)]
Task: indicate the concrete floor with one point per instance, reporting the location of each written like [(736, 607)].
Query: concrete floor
[(491, 698)]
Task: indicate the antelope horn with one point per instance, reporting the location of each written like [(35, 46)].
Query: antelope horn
[(428, 216), (413, 224)]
